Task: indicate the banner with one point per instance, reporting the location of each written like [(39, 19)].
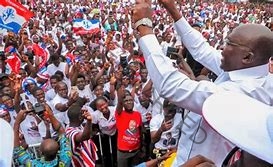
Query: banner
[(83, 26), (13, 15)]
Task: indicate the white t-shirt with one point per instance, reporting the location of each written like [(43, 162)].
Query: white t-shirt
[(60, 116), (31, 135), (86, 92), (169, 138), (42, 129), (142, 110), (107, 126), (50, 94), (51, 68)]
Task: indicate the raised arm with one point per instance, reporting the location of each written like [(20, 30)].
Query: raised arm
[(167, 80), (19, 152), (193, 40), (57, 126), (65, 149), (86, 134), (120, 94)]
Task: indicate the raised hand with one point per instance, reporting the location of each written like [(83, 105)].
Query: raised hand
[(18, 85), (86, 115), (167, 3), (141, 10), (21, 116), (106, 65), (166, 125), (170, 6), (113, 79)]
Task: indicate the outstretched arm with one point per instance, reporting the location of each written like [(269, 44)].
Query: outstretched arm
[(167, 80), (85, 135), (193, 40), (19, 152)]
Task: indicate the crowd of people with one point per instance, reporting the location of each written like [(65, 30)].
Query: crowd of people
[(130, 95)]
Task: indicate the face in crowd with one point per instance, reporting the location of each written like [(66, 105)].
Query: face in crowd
[(4, 114), (62, 89), (80, 82), (98, 91), (7, 101), (102, 105), (40, 95), (53, 82), (128, 103), (143, 75), (169, 110)]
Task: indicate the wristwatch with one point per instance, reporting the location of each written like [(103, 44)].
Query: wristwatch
[(144, 21)]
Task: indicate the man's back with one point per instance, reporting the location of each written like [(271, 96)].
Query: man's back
[(63, 158), (83, 153)]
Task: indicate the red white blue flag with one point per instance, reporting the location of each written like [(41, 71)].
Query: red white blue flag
[(13, 15), (13, 61), (84, 26), (41, 53)]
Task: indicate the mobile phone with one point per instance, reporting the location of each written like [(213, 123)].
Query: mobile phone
[(172, 52)]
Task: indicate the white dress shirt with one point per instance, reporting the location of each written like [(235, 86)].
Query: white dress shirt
[(191, 95)]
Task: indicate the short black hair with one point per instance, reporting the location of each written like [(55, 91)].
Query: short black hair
[(74, 112), (196, 25), (81, 76), (169, 105), (35, 89), (100, 98), (81, 101), (55, 77), (59, 73), (54, 57)]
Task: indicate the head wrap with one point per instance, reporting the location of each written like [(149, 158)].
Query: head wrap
[(26, 82)]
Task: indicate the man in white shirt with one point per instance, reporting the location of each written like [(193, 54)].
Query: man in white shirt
[(242, 68), (51, 93), (165, 129), (62, 102), (57, 65), (83, 89), (44, 126)]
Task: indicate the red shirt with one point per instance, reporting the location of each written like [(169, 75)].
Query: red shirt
[(129, 126)]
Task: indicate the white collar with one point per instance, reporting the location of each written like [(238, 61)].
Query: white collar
[(102, 117), (249, 73)]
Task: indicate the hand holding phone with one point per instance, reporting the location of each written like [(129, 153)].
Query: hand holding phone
[(166, 125)]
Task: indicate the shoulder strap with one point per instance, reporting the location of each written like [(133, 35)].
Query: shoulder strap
[(229, 156)]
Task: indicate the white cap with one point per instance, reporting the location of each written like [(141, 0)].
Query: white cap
[(243, 120)]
